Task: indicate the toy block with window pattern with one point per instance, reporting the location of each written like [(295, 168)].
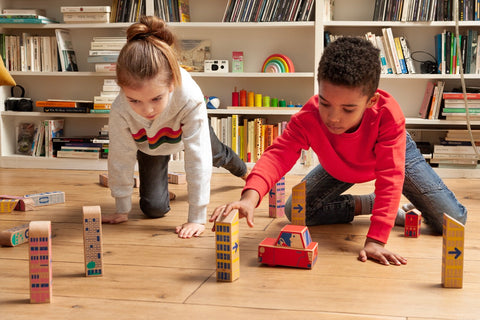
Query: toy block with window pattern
[(452, 252), (276, 200), (227, 247), (92, 240), (413, 221), (40, 254)]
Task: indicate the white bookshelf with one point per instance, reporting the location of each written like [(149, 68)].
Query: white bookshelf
[(301, 41)]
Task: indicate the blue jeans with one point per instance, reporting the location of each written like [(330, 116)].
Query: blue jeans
[(422, 187)]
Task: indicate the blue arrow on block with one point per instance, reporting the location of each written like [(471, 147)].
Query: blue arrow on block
[(235, 247), (298, 207), (456, 252)]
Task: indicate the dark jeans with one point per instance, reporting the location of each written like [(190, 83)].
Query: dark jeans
[(422, 187), (153, 170)]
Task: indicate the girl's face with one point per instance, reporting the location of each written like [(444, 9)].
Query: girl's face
[(150, 99), (341, 108)]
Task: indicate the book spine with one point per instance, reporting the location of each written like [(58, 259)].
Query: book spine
[(85, 9)]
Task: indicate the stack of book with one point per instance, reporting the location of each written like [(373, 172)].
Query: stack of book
[(86, 14), (88, 147), (103, 102), (66, 106), (36, 16), (455, 106), (104, 52), (456, 150)]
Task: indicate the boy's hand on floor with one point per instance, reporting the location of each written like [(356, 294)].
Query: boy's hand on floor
[(190, 229), (376, 250)]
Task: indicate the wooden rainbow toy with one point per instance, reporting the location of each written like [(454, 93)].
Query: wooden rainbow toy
[(278, 63)]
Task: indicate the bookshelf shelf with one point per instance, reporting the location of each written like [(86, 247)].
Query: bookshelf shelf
[(35, 114), (62, 74)]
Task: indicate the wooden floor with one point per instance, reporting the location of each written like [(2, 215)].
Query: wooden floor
[(152, 274)]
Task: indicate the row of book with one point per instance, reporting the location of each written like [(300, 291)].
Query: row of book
[(425, 10), (28, 52), (172, 10), (456, 150), (250, 137), (447, 52), (268, 10), (395, 54), (127, 10)]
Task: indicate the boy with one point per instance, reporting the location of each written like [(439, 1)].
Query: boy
[(358, 133)]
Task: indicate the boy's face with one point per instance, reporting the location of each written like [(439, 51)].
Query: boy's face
[(341, 108), (150, 99)]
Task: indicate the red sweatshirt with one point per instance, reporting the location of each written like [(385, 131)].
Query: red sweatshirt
[(376, 150)]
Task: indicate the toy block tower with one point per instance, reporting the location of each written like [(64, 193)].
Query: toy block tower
[(413, 221), (452, 252), (276, 200), (14, 236), (227, 247), (92, 240), (7, 205), (299, 204), (40, 234)]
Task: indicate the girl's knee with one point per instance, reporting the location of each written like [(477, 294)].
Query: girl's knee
[(154, 210)]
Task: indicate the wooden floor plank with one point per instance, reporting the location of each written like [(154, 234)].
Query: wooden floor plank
[(151, 273)]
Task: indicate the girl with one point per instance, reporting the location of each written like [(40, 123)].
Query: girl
[(160, 111)]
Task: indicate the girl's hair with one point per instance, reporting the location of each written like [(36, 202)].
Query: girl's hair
[(148, 54), (351, 62)]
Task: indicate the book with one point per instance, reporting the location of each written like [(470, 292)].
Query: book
[(64, 103), (41, 12), (193, 54), (459, 95), (427, 98), (27, 20), (85, 9), (66, 110), (78, 154), (25, 138), (407, 56), (86, 17), (68, 59), (184, 10), (53, 129)]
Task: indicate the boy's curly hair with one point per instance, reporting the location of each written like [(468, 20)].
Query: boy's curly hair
[(351, 62)]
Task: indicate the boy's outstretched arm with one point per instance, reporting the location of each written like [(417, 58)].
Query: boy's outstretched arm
[(375, 250), (245, 206)]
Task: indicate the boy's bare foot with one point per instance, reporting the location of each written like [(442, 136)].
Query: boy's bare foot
[(244, 177), (115, 218), (171, 195)]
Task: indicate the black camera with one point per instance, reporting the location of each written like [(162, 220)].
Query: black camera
[(18, 103)]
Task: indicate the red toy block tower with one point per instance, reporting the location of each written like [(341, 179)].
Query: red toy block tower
[(40, 234), (413, 221)]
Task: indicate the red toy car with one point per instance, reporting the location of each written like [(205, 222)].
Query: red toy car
[(293, 248)]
